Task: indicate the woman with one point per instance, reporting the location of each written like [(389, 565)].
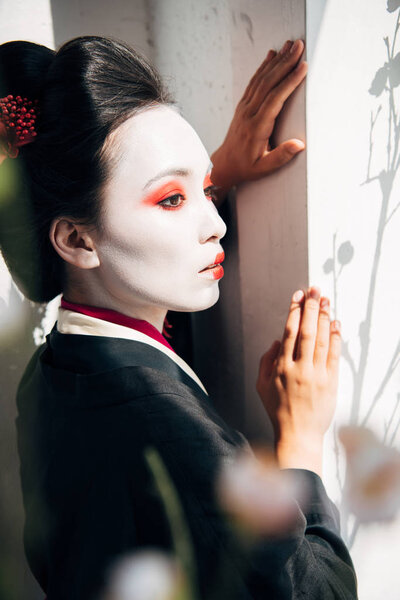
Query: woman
[(115, 209)]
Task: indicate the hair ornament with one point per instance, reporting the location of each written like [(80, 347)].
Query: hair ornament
[(17, 124)]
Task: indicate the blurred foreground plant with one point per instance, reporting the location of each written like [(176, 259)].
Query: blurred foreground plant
[(146, 575), (258, 495), (372, 486), (261, 500)]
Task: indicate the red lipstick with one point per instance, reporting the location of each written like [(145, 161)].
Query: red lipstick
[(213, 273), (215, 270)]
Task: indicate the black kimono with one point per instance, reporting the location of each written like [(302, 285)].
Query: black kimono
[(88, 406)]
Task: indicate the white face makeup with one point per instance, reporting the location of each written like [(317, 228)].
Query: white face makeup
[(151, 253)]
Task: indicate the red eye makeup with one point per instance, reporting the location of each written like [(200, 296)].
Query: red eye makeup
[(173, 191), (172, 188)]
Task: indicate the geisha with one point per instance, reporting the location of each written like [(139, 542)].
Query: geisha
[(120, 215)]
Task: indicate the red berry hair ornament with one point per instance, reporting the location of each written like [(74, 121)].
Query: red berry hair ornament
[(17, 124)]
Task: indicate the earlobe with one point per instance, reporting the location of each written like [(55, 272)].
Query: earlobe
[(73, 244)]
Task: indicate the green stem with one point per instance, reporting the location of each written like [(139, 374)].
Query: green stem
[(180, 533)]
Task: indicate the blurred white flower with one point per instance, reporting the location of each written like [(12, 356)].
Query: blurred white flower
[(372, 488), (260, 496), (50, 312), (145, 575), (13, 311)]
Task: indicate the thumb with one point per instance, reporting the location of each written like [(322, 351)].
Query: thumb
[(279, 156)]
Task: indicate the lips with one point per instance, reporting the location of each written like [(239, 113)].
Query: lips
[(219, 259)]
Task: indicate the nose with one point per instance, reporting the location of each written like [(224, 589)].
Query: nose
[(211, 224)]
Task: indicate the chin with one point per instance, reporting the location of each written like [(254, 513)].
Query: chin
[(203, 301)]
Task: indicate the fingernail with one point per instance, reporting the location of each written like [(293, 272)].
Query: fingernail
[(324, 303), (297, 145), (337, 325), (285, 47), (295, 46), (300, 66), (298, 296), (314, 292)]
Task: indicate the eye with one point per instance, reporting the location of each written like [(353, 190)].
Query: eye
[(211, 192), (172, 201)]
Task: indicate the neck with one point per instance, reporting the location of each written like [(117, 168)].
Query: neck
[(154, 315)]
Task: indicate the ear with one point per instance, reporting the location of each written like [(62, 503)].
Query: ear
[(73, 243)]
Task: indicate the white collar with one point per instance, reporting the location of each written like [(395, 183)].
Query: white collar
[(72, 322)]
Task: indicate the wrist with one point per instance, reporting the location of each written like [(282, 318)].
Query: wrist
[(303, 453)]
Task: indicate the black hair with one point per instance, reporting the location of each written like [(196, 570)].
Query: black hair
[(86, 89)]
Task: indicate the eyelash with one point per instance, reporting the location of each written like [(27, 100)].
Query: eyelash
[(211, 191)]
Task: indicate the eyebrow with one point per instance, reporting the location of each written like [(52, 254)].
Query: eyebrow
[(180, 172)]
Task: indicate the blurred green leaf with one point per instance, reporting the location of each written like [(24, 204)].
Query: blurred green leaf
[(183, 545)]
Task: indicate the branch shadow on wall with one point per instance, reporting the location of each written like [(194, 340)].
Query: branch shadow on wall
[(384, 84)]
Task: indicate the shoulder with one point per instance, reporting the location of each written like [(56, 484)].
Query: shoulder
[(85, 370), (101, 397)]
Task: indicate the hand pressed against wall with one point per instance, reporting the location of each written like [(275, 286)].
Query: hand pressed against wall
[(297, 381), (246, 152)]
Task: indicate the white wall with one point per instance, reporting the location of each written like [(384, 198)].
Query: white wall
[(26, 20), (346, 219)]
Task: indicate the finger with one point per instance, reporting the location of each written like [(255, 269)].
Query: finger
[(278, 157), (335, 345), (283, 65), (268, 359), (292, 326), (269, 62), (263, 70), (309, 323), (254, 81), (273, 102), (322, 339)]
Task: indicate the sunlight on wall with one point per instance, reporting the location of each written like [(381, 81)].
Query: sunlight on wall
[(353, 192), (27, 20)]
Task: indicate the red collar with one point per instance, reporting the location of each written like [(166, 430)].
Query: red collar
[(119, 319)]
